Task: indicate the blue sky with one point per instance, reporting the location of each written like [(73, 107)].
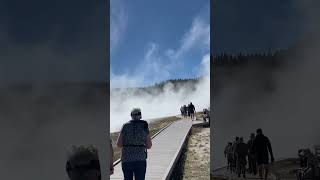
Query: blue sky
[(153, 41)]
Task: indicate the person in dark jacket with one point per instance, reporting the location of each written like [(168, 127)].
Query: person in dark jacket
[(192, 110), (134, 139), (262, 148)]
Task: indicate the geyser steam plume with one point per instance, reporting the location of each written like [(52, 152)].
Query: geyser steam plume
[(160, 104)]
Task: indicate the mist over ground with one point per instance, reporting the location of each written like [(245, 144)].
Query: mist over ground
[(160, 102), (40, 123), (282, 100)]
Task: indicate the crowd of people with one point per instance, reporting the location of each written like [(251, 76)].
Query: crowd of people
[(188, 111), (254, 154)]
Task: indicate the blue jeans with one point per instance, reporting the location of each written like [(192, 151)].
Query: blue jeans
[(136, 169)]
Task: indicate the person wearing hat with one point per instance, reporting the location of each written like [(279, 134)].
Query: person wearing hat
[(83, 163), (134, 140)]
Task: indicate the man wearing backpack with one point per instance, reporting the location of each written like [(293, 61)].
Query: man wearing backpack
[(134, 140)]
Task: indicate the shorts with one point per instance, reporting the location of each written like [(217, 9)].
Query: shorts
[(262, 160), (263, 166)]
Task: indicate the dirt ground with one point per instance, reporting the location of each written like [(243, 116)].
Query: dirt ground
[(197, 160), (286, 169)]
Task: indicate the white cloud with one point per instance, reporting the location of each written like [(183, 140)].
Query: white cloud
[(157, 64), (118, 23), (152, 69), (198, 36)]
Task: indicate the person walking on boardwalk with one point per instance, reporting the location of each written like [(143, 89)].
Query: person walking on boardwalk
[(234, 158), (186, 113), (251, 156), (262, 148), (228, 155), (241, 151), (192, 110), (134, 140), (232, 149), (83, 163)]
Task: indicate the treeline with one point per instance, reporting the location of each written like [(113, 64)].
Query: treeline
[(157, 88), (176, 83), (272, 58)]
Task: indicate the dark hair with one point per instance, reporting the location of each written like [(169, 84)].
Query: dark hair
[(259, 131), (136, 114)]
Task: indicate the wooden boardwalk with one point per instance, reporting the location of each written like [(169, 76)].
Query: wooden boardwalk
[(164, 153)]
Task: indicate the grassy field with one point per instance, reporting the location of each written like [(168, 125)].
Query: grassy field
[(154, 126)]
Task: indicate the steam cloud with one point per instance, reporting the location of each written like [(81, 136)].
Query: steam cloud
[(289, 115), (158, 66), (166, 103), (41, 124)]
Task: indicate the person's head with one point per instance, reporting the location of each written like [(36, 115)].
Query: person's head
[(136, 114), (241, 139), (229, 143), (83, 163), (237, 138), (252, 135), (259, 131)]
